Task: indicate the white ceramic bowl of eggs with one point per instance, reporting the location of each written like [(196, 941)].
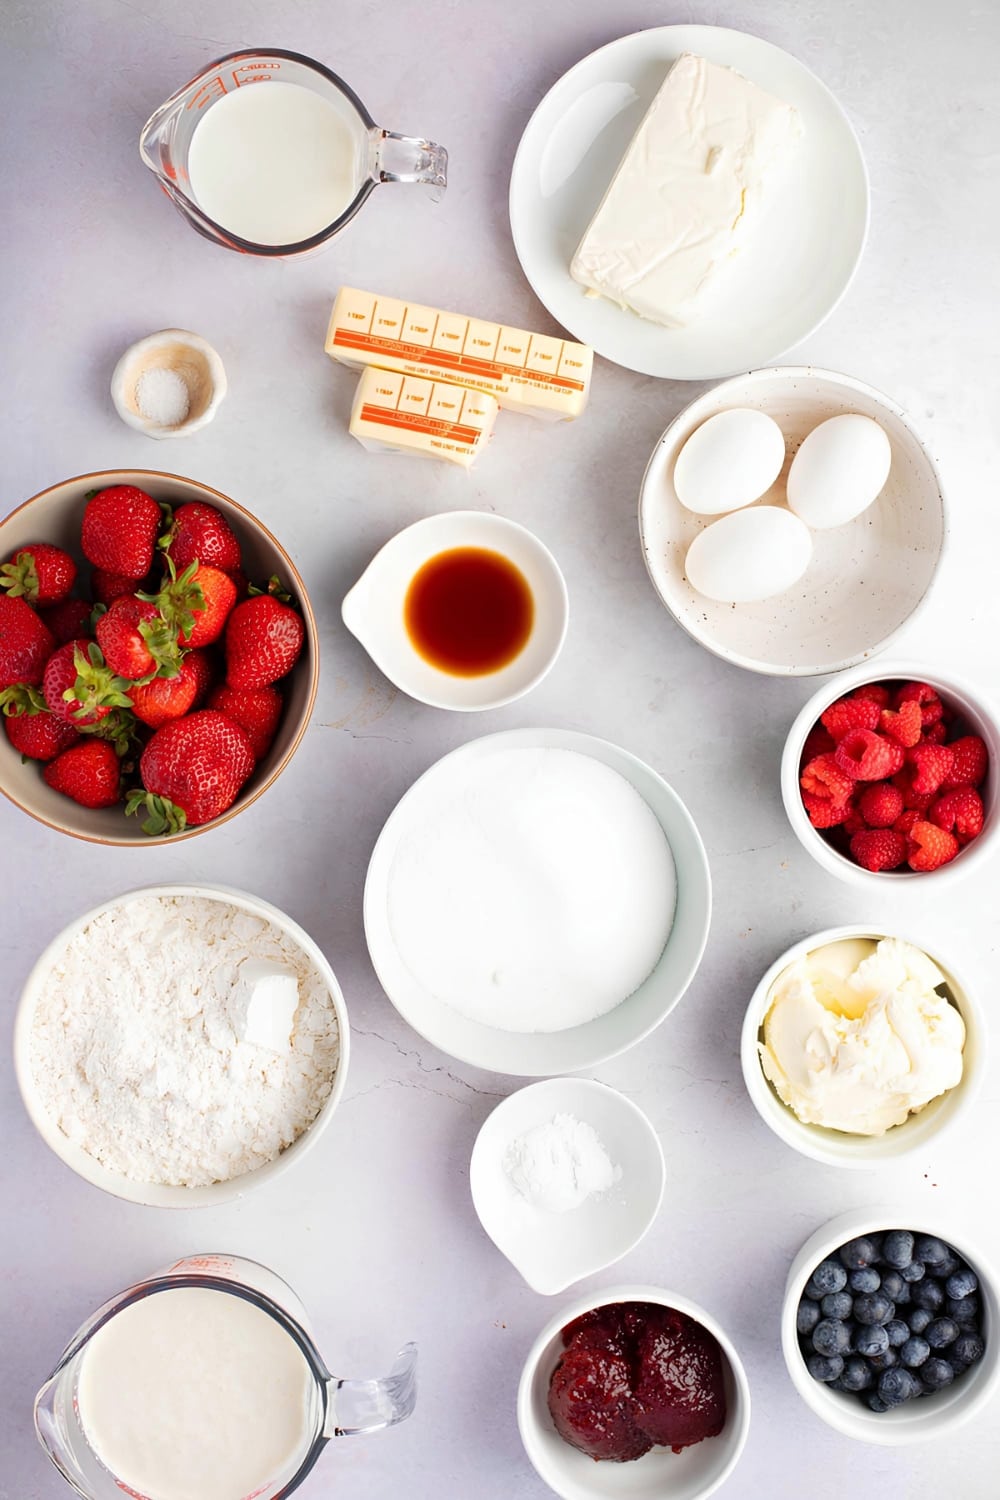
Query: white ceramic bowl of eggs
[(792, 521)]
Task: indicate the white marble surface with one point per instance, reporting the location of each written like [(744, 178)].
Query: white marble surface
[(375, 1229)]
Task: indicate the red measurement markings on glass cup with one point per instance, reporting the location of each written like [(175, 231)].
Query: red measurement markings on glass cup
[(213, 89), (255, 72)]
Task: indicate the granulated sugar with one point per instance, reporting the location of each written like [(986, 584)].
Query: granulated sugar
[(135, 1057)]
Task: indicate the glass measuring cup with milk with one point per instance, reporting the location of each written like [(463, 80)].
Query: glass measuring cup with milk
[(276, 170), (202, 1383)]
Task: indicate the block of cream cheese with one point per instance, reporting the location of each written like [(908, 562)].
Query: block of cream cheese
[(428, 418), (685, 191), (529, 372), (262, 1004)]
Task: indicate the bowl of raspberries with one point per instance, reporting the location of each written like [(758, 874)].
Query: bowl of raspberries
[(889, 1333), (894, 776), (158, 657)]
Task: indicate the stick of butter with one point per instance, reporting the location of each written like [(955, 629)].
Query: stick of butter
[(428, 418), (529, 372), (678, 205), (262, 1004)]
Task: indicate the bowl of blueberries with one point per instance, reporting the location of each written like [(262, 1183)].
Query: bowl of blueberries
[(890, 1334)]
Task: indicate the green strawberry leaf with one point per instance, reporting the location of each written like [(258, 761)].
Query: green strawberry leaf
[(276, 589), (20, 578), (21, 699), (164, 816)]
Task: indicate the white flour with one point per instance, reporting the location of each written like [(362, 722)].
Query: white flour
[(134, 1054)]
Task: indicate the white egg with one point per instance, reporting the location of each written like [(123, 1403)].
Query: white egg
[(838, 471), (748, 556), (729, 461)]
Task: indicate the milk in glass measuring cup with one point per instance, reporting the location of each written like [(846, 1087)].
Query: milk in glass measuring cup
[(270, 153), (202, 1383)]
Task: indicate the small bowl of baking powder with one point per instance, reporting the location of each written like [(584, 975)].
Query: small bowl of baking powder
[(200, 1064), (168, 384)]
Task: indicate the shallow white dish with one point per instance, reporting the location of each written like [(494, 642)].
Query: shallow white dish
[(834, 1147), (552, 1250), (373, 610), (531, 1054), (929, 1416), (798, 261), (866, 579), (660, 1474), (155, 1195)]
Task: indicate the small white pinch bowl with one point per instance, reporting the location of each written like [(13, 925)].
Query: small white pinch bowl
[(926, 1417), (190, 357), (866, 579), (979, 716), (835, 1148), (553, 1250), (660, 1474), (373, 610), (155, 1195)]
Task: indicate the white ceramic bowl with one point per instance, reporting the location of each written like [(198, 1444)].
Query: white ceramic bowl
[(151, 1194), (552, 1250), (834, 1147), (541, 1054), (854, 597), (927, 1416), (373, 610), (981, 717), (186, 355), (660, 1474)]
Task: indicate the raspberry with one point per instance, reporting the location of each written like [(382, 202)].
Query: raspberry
[(850, 713), (868, 756), (878, 849), (881, 804), (822, 777), (970, 762), (937, 734), (931, 764), (904, 823), (931, 707), (874, 692), (911, 799), (822, 812), (959, 812), (819, 741), (854, 823), (929, 847), (904, 726)]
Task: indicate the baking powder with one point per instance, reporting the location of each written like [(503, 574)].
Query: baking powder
[(558, 1165)]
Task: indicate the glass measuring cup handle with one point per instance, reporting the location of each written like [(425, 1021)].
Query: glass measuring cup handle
[(355, 1406), (409, 158)]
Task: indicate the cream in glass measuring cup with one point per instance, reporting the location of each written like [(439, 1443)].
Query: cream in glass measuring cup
[(271, 153), (202, 1383)]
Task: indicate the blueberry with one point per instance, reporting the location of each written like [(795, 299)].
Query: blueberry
[(807, 1316), (856, 1376), (829, 1276), (871, 1340), (830, 1337), (948, 1267), (936, 1374), (941, 1333), (968, 1347), (867, 1279), (962, 1283), (857, 1254), (931, 1251), (927, 1293), (893, 1285), (898, 1385), (837, 1305), (873, 1307), (897, 1248), (964, 1310), (875, 1403), (914, 1352), (898, 1332), (915, 1271), (883, 1361), (825, 1367), (919, 1319)]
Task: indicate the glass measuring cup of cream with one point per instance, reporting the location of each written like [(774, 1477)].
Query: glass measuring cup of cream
[(276, 170), (202, 1383)]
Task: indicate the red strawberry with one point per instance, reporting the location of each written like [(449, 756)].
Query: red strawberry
[(90, 773), (931, 707), (823, 813), (959, 812), (106, 587), (868, 756), (34, 732), (875, 692), (196, 603), (931, 764), (878, 849), (200, 533), (903, 726), (850, 713), (970, 762), (26, 643), (40, 573), (69, 621), (164, 698), (192, 770), (257, 710), (263, 641), (881, 804), (929, 847), (823, 777), (136, 640), (78, 686), (205, 669), (119, 530)]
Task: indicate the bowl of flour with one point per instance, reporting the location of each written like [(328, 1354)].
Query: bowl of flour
[(181, 1044), (537, 902)]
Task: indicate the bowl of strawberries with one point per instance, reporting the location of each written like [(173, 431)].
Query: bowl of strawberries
[(158, 657), (894, 776)]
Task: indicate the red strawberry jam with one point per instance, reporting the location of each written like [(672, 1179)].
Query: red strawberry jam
[(636, 1374)]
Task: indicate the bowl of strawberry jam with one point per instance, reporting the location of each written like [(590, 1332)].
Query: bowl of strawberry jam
[(633, 1391)]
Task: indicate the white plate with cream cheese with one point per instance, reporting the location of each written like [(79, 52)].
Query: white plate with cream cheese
[(801, 246)]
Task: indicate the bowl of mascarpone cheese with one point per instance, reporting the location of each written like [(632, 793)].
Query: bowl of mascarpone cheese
[(860, 1046)]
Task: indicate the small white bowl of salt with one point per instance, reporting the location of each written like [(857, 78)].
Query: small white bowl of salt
[(169, 384), (567, 1176)]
